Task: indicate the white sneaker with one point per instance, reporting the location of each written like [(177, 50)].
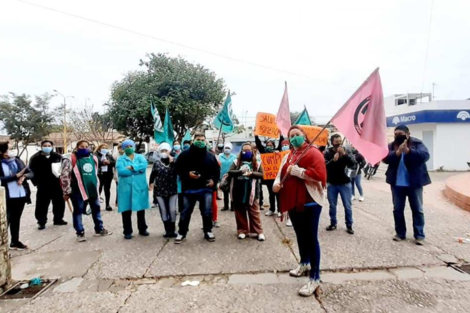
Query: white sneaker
[(216, 224), (279, 214), (241, 236), (309, 289), (301, 270), (179, 239), (209, 237), (361, 199), (269, 213), (261, 237), (289, 223), (353, 198)]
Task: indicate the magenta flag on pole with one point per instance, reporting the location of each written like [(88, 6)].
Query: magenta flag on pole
[(283, 115), (362, 120)]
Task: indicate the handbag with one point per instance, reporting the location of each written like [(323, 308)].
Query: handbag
[(56, 169), (225, 184)]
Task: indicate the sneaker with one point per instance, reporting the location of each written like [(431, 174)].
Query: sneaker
[(145, 233), (18, 246), (209, 237), (398, 238), (301, 270), (179, 239), (279, 214), (216, 224), (241, 236), (309, 289), (350, 230), (419, 241), (361, 199), (128, 237), (173, 235), (42, 227), (331, 227), (81, 237), (261, 237), (103, 232), (108, 208), (269, 213), (225, 209), (289, 223), (60, 223), (353, 198)]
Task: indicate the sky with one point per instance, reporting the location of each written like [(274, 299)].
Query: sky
[(323, 49)]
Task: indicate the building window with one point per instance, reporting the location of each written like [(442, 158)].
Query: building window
[(400, 101)]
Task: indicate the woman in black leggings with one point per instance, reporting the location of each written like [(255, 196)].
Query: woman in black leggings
[(105, 172)]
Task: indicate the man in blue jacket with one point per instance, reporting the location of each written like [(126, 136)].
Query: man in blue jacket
[(407, 174)]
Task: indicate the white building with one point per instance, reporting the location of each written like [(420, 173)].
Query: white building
[(443, 126)]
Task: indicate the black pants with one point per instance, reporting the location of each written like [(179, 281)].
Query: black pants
[(117, 186), (15, 207), (180, 202), (44, 196), (273, 197), (127, 222), (105, 183), (227, 201)]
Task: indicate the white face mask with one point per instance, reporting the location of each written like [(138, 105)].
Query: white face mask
[(228, 150), (164, 155), (12, 154)]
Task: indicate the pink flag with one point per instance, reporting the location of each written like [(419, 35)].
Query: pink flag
[(362, 120), (283, 115)]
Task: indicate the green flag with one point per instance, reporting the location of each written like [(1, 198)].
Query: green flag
[(187, 136), (224, 118), (168, 134), (303, 119)]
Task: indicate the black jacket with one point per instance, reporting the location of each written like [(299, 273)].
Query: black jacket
[(111, 165), (336, 171), (7, 179), (201, 161), (415, 162), (262, 149), (41, 166)]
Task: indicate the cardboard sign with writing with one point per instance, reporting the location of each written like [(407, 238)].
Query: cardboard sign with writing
[(266, 125), (312, 132), (271, 163)]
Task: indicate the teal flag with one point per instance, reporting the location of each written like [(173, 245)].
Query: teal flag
[(223, 120), (187, 136), (303, 119), (157, 122), (168, 134)]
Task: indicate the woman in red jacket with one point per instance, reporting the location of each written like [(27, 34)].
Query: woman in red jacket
[(301, 197)]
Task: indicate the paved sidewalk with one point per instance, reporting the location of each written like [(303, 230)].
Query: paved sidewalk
[(367, 272)]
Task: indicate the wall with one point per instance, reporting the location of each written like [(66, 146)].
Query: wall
[(417, 132), (5, 269), (452, 148)]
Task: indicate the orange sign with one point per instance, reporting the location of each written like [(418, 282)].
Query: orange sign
[(271, 164), (266, 125), (312, 132)]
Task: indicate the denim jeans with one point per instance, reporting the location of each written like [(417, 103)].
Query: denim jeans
[(79, 207), (345, 192), (306, 229), (415, 198), (356, 181), (205, 206)]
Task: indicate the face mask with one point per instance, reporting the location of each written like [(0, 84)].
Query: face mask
[(228, 150), (12, 154), (247, 155), (104, 151), (220, 147), (297, 141), (83, 153), (164, 155), (186, 146), (200, 144), (399, 139), (47, 150), (129, 151), (269, 149), (177, 147), (285, 148)]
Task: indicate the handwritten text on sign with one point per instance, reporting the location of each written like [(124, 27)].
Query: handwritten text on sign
[(271, 163), (312, 132), (266, 125)]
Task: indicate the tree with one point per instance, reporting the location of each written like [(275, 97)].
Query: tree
[(86, 124), (24, 121), (192, 93)]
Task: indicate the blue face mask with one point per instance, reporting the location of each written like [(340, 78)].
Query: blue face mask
[(83, 153), (104, 151), (177, 147), (185, 147), (285, 148), (47, 150), (247, 155)]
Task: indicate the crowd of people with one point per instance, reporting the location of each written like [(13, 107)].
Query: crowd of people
[(189, 174)]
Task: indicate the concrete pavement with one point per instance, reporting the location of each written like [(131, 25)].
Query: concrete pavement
[(366, 272)]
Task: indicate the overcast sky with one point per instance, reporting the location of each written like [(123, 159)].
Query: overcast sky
[(332, 46)]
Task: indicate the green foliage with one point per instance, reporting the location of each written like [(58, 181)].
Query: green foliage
[(24, 121), (192, 93)]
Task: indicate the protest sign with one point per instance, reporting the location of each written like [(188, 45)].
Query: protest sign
[(266, 125), (271, 163), (312, 132)]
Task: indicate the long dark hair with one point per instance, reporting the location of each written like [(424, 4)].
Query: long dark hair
[(254, 162)]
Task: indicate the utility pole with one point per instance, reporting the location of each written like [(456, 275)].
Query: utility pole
[(65, 121)]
